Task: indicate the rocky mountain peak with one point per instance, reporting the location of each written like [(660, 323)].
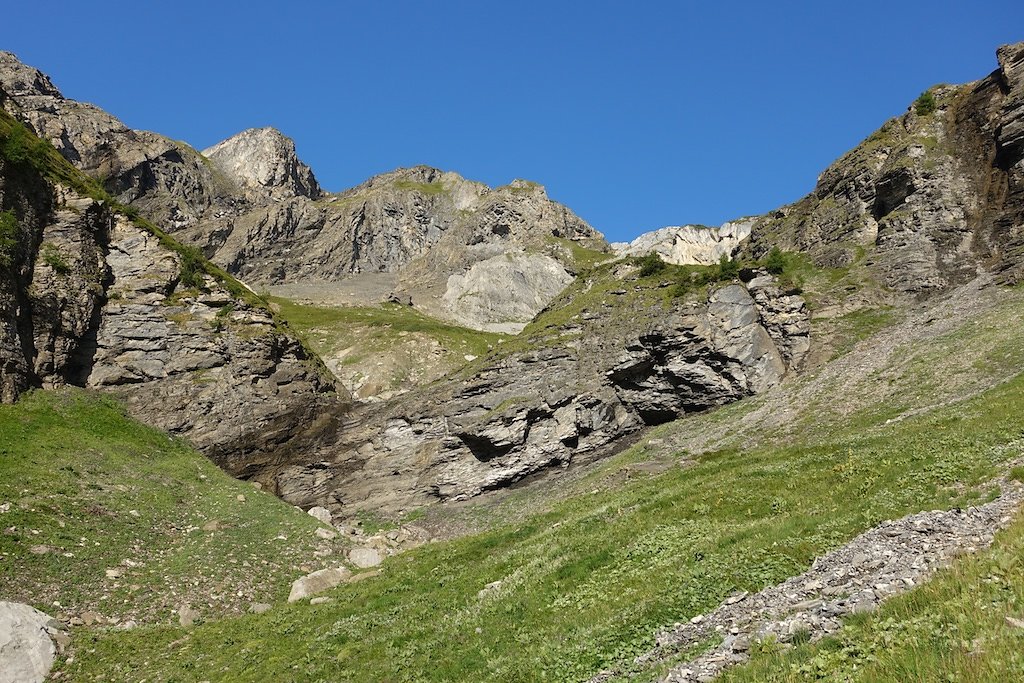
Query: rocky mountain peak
[(520, 186), (265, 159), (20, 80)]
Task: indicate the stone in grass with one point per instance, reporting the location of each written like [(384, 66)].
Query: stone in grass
[(29, 643), (318, 582), (259, 607), (364, 558), (321, 513), (325, 533), (186, 615)]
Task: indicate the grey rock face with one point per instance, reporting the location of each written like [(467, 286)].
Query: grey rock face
[(203, 365), (1011, 70), (264, 159), (91, 299), (928, 199), (257, 210), (27, 647), (503, 293), (546, 407), (167, 179), (689, 244)]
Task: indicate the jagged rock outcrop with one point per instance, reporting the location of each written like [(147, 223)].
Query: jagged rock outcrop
[(688, 244), (258, 211), (248, 387), (89, 298), (614, 367), (166, 179), (930, 198), (265, 160)]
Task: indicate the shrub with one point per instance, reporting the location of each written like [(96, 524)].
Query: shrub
[(53, 257), (684, 285), (651, 264), (791, 285), (728, 269), (20, 147), (192, 266), (775, 262), (8, 239), (925, 104)]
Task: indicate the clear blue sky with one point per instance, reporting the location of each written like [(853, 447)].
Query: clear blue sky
[(635, 114)]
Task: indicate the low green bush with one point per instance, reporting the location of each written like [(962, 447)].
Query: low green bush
[(925, 104), (651, 264)]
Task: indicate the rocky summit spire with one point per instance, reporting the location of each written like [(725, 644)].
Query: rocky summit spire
[(21, 80), (264, 158)]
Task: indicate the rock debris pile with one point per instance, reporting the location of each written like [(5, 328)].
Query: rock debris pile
[(885, 561)]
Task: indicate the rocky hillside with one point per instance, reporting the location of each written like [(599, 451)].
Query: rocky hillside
[(256, 210), (620, 350), (92, 297), (927, 200)]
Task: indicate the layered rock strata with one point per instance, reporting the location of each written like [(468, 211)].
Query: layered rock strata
[(609, 372)]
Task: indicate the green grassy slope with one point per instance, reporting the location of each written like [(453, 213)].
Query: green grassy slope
[(85, 489), (331, 328), (388, 347), (586, 584)]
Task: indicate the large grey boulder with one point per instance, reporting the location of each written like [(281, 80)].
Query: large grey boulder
[(318, 582), (27, 643), (365, 558)]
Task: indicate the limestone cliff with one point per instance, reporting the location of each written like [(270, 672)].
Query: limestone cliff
[(264, 160), (92, 298), (689, 244)]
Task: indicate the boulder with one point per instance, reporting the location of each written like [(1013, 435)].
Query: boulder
[(318, 582), (365, 558), (320, 513), (27, 643)]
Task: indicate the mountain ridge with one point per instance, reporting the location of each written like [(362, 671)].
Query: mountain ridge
[(256, 209)]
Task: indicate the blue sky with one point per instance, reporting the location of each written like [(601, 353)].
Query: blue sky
[(636, 115)]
